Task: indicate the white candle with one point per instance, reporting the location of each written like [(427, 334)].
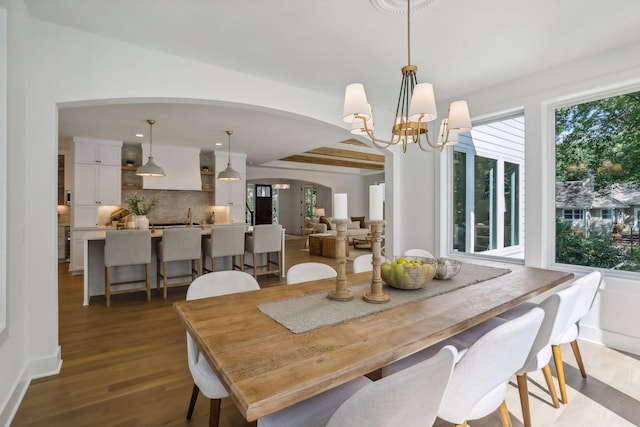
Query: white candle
[(375, 203), (340, 206)]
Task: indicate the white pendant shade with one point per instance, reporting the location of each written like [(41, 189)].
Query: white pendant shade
[(459, 116), (229, 174), (355, 102), (423, 101), (150, 169)]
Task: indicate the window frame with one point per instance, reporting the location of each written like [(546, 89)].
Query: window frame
[(501, 254), (549, 168)]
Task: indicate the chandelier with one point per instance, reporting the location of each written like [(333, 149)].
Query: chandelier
[(150, 168), (416, 107)]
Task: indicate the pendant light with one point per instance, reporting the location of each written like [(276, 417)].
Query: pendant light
[(150, 168), (229, 174)]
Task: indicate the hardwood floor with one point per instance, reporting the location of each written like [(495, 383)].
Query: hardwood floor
[(126, 366)]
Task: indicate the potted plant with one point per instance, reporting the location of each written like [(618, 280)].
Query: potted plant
[(138, 206)]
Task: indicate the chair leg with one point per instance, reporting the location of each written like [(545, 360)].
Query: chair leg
[(255, 265), (147, 274), (158, 274), (576, 353), (557, 359), (107, 285), (464, 424), (165, 276), (524, 399), (504, 414), (242, 262), (214, 413), (550, 385), (192, 402)]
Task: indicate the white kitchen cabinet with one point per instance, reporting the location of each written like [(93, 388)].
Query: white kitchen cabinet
[(97, 177), (232, 193), (85, 216), (97, 184), (95, 151)]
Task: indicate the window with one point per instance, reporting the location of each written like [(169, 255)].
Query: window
[(309, 200), (597, 159), (572, 214), (488, 188)]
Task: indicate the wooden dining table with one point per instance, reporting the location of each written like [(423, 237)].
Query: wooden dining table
[(266, 367)]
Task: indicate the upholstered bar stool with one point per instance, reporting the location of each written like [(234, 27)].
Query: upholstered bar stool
[(178, 244), (121, 248), (266, 239), (226, 240)]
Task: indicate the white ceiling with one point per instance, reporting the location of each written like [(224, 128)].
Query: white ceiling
[(458, 45)]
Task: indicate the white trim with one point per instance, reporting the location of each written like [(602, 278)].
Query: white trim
[(39, 368), (610, 339), (3, 169)]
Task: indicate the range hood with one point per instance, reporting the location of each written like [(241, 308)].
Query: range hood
[(181, 166)]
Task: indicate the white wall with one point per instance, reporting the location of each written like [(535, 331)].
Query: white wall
[(16, 345)]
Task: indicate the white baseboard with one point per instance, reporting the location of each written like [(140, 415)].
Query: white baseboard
[(610, 339), (38, 368)]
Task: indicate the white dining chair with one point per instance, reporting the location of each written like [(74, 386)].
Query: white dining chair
[(478, 385), (588, 285), (204, 379), (418, 252), (409, 398), (125, 248), (557, 311), (225, 241), (363, 263), (178, 244), (308, 271)]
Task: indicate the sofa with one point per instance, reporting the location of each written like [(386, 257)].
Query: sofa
[(355, 227)]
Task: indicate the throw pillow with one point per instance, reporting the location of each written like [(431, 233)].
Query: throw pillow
[(353, 225), (324, 220), (360, 220)]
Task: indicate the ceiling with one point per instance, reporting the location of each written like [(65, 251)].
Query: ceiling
[(458, 45)]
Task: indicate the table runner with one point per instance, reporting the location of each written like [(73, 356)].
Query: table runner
[(312, 311)]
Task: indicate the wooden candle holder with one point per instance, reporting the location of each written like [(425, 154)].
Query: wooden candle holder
[(376, 296), (341, 293)]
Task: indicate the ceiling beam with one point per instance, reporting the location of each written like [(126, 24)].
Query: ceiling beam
[(332, 162), (349, 154)]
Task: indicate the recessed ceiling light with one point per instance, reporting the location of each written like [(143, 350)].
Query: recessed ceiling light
[(218, 144), (139, 135)]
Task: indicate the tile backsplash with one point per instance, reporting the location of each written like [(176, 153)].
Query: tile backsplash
[(173, 206)]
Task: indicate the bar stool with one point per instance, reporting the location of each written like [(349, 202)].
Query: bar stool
[(178, 244), (226, 240), (130, 247), (266, 239)]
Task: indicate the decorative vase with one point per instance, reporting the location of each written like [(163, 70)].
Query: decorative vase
[(142, 222)]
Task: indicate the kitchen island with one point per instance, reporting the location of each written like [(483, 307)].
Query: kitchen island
[(94, 269)]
